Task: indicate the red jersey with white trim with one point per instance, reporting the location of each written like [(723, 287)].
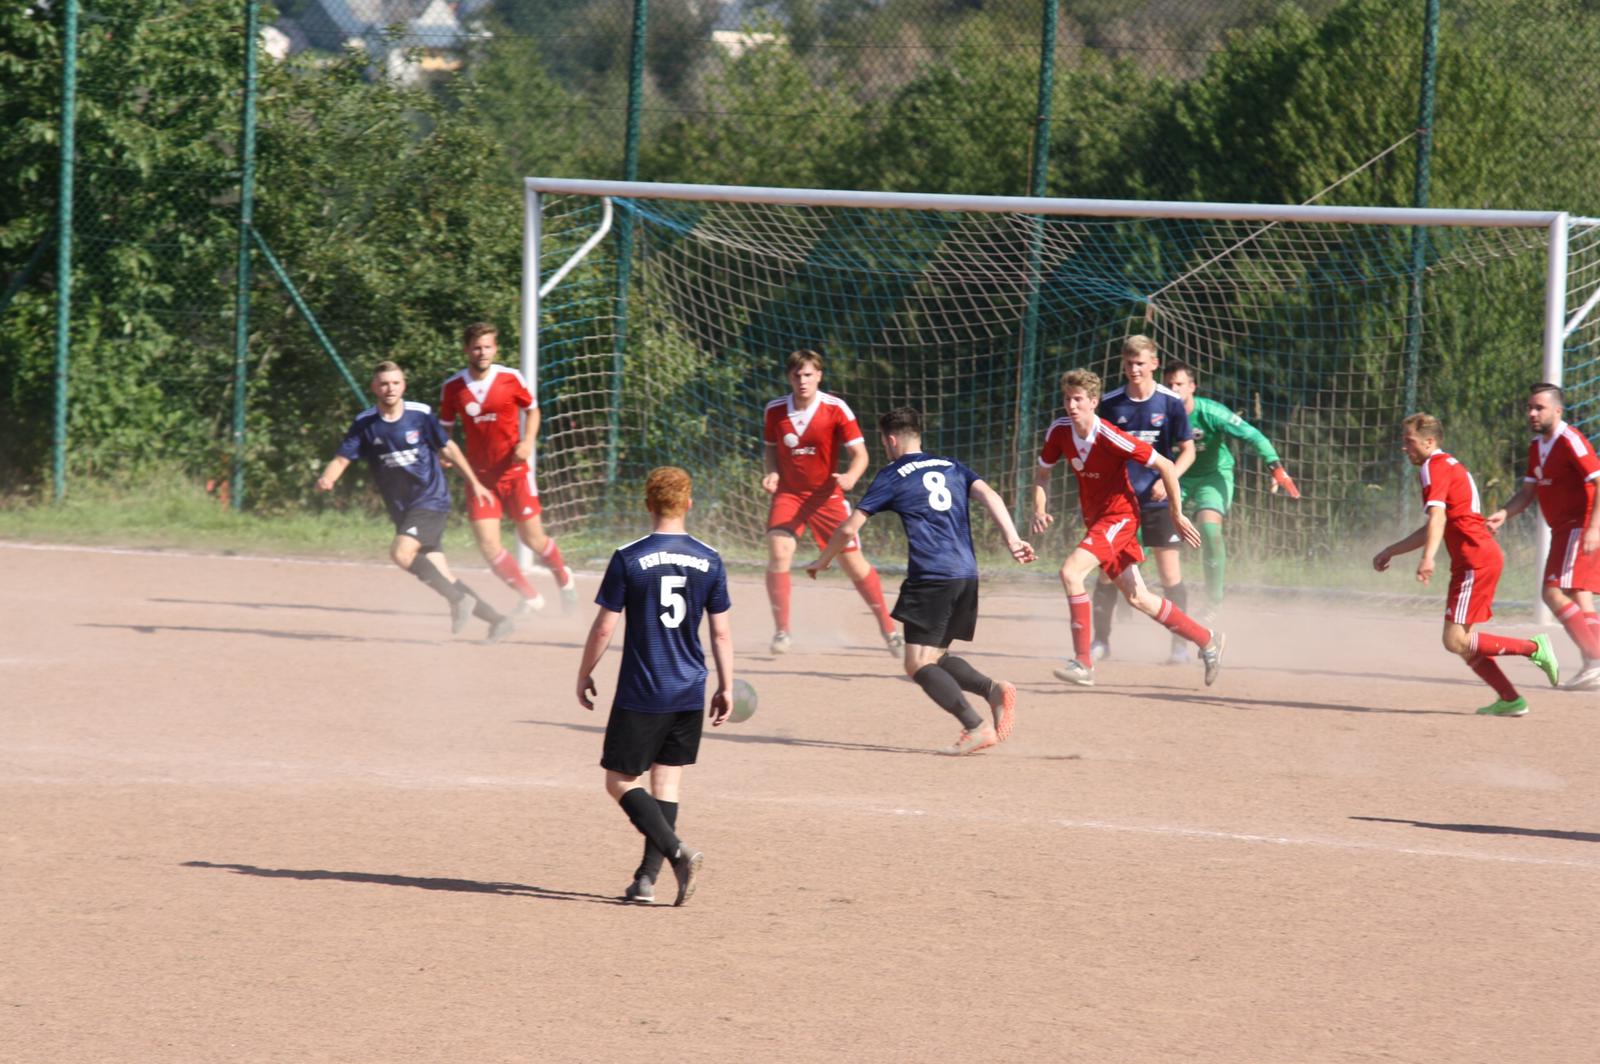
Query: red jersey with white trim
[(1100, 462), (1565, 470), (490, 412), (1446, 483), (808, 441)]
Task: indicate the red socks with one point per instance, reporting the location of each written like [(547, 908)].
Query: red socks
[(871, 590), (1489, 671), (1082, 614), (1182, 625), (551, 556), (1494, 646), (505, 567), (778, 594), (1578, 626)]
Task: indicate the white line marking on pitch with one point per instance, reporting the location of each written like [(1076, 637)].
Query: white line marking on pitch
[(1177, 831)]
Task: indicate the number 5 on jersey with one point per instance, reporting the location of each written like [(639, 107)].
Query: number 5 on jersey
[(677, 608)]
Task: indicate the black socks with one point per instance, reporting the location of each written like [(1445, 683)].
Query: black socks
[(943, 689)]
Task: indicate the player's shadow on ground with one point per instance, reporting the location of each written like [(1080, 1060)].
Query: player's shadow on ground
[(1230, 702), (465, 886), (775, 740), (1489, 829), (296, 606)]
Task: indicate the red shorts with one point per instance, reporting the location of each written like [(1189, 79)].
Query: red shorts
[(1471, 597), (515, 495), (821, 512), (1568, 567), (1115, 541)]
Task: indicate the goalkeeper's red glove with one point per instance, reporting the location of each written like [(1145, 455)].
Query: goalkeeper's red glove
[(1281, 479)]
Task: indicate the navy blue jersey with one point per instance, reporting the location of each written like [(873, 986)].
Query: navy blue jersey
[(1159, 421), (930, 495), (662, 584), (403, 455)]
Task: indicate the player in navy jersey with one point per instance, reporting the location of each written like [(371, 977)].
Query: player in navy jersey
[(938, 601), (401, 443), (1154, 414), (662, 584)]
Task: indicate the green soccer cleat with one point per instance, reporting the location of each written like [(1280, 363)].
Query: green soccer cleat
[(1545, 658), (1517, 707)]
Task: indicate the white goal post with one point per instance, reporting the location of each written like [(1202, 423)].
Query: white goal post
[(1555, 226)]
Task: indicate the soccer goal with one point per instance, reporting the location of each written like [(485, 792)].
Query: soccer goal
[(1322, 325)]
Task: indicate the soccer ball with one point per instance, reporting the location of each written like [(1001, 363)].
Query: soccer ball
[(744, 701)]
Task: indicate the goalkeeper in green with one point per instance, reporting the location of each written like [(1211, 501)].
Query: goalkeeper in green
[(1208, 483)]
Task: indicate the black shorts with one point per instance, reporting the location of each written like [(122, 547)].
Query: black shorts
[(424, 526), (1156, 528), (937, 612), (635, 740)]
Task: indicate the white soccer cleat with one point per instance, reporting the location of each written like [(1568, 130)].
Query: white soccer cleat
[(1586, 679), (1076, 673)]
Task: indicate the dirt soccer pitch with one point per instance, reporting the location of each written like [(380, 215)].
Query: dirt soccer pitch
[(270, 810)]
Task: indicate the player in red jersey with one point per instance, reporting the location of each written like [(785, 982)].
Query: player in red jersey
[(1455, 518), (1099, 454), (803, 433), (1562, 470), (489, 398)]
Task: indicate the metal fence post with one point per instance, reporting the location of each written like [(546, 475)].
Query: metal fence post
[(69, 107), (1038, 181), (630, 172), (241, 307)]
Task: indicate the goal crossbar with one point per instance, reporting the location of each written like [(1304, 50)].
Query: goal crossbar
[(1093, 208)]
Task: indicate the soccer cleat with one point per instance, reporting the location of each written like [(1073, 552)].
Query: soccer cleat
[(461, 613), (1099, 650), (980, 738), (641, 890), (895, 642), (1516, 707), (528, 606), (686, 866), (1003, 704), (569, 594), (1587, 678), (1180, 656), (780, 642), (1211, 654), (500, 629), (1076, 672), (1544, 657)]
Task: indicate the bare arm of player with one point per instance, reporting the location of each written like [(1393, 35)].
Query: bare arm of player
[(837, 542), (1020, 549), (858, 466), (722, 654), (530, 433), (1432, 536), (1041, 500), (605, 622), (1380, 560), (330, 476), (1591, 532), (769, 469), (1160, 492), (1168, 472), (1514, 506), (453, 452)]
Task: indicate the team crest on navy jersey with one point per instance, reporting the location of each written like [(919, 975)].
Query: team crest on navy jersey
[(412, 436)]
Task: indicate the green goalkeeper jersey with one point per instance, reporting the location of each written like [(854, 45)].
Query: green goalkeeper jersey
[(1212, 423)]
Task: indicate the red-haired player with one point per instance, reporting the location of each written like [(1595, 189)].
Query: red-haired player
[(1099, 454), (1455, 518), (1562, 470), (803, 433), (489, 398)]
